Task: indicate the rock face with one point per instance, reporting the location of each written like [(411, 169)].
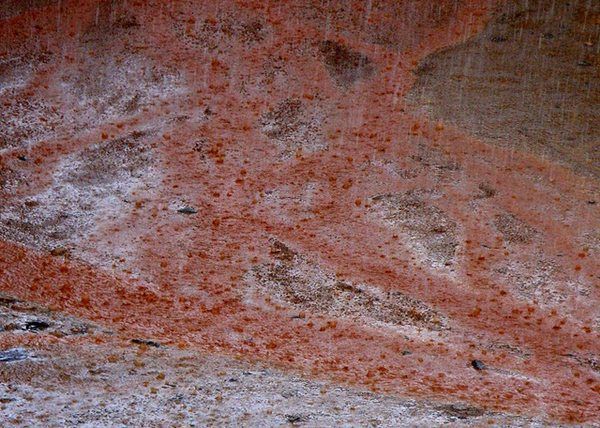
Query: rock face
[(305, 212), (529, 81), (305, 286)]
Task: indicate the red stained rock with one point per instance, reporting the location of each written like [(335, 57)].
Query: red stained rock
[(333, 232)]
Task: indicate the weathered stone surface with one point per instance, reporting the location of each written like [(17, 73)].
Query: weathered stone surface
[(299, 212)]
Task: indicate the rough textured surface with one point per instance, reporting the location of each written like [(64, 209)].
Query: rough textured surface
[(530, 80), (148, 386), (308, 213)]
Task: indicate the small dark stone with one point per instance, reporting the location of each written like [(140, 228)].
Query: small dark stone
[(146, 342), (406, 352), (7, 300), (293, 419), (592, 202), (36, 325), (487, 191), (478, 365), (22, 158), (187, 210), (498, 39), (59, 251), (461, 411), (15, 354), (79, 329)]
